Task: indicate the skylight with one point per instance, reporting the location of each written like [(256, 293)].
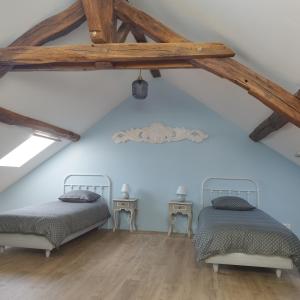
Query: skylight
[(25, 152)]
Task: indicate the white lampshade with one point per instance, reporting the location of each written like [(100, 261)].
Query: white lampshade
[(125, 188), (182, 190)]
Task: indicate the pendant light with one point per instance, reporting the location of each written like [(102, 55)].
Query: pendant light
[(140, 88)]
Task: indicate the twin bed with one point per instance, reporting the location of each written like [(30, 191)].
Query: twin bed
[(48, 226), (242, 237), (224, 236)]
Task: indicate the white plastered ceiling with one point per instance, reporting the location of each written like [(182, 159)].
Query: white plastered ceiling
[(263, 33), (71, 100)]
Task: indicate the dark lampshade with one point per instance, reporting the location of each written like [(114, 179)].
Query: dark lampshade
[(140, 88)]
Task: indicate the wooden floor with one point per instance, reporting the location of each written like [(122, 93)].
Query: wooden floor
[(106, 265)]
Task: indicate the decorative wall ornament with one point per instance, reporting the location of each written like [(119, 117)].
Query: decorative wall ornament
[(158, 133)]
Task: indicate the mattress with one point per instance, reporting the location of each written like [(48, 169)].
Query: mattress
[(54, 220), (222, 232)]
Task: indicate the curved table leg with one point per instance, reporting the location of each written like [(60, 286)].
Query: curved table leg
[(133, 219), (190, 218), (171, 221), (131, 214), (115, 221)]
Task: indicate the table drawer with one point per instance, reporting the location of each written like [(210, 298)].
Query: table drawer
[(179, 207), (122, 204)]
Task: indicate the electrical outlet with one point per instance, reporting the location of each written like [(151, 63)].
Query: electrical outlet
[(289, 226)]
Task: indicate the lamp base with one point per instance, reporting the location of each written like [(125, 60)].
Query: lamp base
[(181, 198), (125, 195)]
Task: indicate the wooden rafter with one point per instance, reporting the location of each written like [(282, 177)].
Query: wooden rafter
[(123, 32), (170, 64), (275, 122), (268, 92), (50, 29), (141, 38), (12, 118), (271, 124), (101, 20), (102, 14), (111, 53)]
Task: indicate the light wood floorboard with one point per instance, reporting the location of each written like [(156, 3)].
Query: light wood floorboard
[(122, 265)]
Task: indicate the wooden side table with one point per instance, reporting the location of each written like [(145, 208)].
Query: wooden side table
[(128, 205), (183, 208)]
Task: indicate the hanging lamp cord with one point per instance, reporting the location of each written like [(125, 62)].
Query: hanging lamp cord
[(140, 75)]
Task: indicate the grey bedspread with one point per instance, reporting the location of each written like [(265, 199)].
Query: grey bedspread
[(252, 232), (55, 220)]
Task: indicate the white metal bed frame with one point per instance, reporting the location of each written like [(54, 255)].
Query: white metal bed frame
[(40, 242), (214, 187)]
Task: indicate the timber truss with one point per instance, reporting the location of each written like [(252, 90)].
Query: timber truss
[(110, 22)]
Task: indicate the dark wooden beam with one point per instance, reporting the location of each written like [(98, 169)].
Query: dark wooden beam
[(12, 118), (111, 53), (123, 32), (156, 30), (141, 38), (101, 20), (275, 122), (105, 66), (153, 65), (50, 29), (271, 124), (268, 92)]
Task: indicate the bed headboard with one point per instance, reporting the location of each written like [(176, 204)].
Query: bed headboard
[(98, 183), (241, 187)]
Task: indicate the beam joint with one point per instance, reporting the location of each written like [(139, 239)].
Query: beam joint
[(101, 20), (268, 92), (141, 38)]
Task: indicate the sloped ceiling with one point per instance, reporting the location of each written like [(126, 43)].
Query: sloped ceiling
[(71, 100), (264, 35), (263, 32)]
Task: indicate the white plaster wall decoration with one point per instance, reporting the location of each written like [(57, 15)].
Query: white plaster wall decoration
[(158, 133)]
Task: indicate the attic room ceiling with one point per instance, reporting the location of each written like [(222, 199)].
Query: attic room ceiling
[(28, 53), (226, 22), (52, 96), (259, 32)]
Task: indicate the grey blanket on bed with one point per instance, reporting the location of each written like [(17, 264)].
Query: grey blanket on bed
[(251, 232), (54, 220)]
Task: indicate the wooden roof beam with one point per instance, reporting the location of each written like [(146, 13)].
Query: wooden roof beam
[(50, 29), (150, 65), (101, 20), (275, 122), (123, 32), (141, 38), (268, 92), (111, 53), (11, 118)]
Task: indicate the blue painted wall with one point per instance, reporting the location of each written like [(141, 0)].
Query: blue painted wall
[(154, 171)]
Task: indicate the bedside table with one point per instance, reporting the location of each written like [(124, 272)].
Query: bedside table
[(128, 205), (183, 208)]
